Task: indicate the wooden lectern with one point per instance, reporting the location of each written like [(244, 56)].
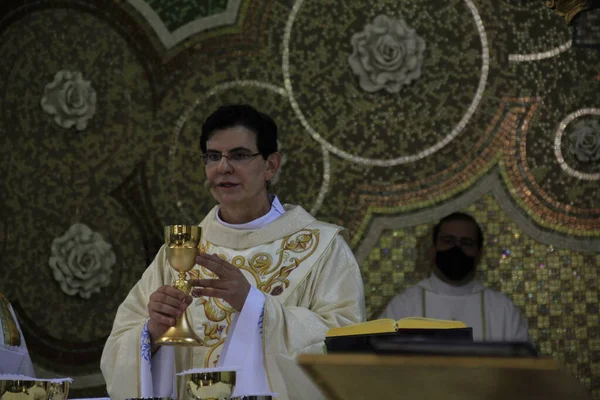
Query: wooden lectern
[(416, 377)]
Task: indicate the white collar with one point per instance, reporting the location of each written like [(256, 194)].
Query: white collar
[(436, 285), (275, 212)]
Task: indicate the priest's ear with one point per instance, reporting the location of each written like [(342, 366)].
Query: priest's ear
[(273, 163)]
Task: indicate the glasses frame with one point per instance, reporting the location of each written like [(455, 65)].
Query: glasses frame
[(228, 157)]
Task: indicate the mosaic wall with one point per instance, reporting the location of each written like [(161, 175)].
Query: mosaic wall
[(556, 288), (392, 114)]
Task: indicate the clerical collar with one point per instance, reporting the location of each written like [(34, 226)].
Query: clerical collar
[(436, 285), (275, 212)]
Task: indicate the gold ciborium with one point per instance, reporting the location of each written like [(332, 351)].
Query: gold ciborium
[(33, 390), (208, 385), (182, 248)]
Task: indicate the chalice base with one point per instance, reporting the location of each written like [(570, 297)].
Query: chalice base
[(180, 335)]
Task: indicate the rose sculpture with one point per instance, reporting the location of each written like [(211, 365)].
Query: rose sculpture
[(81, 261), (388, 54), (585, 141), (70, 99)]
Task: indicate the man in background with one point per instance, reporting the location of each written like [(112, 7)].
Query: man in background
[(452, 293)]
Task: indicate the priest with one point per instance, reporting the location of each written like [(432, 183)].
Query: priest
[(453, 293), (270, 280)]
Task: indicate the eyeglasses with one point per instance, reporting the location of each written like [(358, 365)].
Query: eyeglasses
[(213, 158), (464, 242)]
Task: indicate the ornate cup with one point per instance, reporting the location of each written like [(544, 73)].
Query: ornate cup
[(182, 243), (208, 385)]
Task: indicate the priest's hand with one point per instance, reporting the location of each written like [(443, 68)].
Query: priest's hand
[(165, 305), (231, 286)]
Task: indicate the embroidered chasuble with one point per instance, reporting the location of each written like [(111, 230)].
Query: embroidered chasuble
[(307, 275), (14, 357), (491, 314)]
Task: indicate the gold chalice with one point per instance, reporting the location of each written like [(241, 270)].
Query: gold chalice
[(182, 248), (208, 385), (33, 390)]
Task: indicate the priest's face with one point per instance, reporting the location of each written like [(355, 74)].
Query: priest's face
[(450, 264), (238, 178)]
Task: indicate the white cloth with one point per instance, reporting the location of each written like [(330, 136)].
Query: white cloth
[(275, 212), (13, 359), (491, 314), (243, 347), (18, 377)]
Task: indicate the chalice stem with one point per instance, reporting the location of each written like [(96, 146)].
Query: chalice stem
[(181, 333), (183, 284)]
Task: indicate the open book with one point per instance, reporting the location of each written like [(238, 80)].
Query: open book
[(388, 325)]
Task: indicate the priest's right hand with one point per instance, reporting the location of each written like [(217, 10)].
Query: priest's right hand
[(165, 305)]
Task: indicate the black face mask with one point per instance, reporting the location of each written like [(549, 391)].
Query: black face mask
[(454, 263)]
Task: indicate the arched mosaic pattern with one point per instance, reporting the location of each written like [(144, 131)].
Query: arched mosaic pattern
[(490, 126)]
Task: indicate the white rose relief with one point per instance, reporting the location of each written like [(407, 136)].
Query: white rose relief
[(81, 261), (585, 141), (70, 99), (388, 54)]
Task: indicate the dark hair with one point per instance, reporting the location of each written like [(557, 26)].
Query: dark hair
[(459, 216), (242, 115)]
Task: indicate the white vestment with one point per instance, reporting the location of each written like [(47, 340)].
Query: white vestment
[(305, 281), (14, 357), (491, 314)]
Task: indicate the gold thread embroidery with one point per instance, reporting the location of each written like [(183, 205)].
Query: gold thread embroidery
[(269, 277)]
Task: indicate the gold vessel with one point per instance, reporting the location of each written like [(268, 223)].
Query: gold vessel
[(182, 243), (208, 385), (33, 390)]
